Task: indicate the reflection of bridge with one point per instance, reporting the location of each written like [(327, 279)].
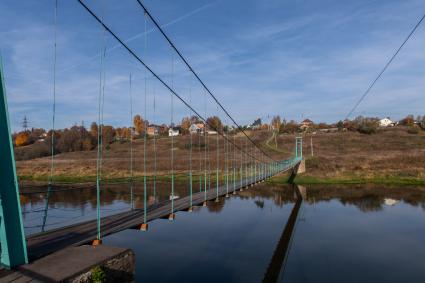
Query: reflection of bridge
[(82, 233), (277, 264), (242, 164)]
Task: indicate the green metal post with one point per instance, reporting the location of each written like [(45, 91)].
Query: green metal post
[(296, 147), (13, 244)]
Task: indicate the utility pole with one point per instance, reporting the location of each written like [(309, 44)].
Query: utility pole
[(311, 145)]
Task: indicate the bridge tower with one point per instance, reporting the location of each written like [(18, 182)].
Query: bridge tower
[(12, 237), (299, 147)]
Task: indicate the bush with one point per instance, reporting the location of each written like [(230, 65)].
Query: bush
[(98, 275), (413, 129), (22, 139), (367, 129), (36, 150)]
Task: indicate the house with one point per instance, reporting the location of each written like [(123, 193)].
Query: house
[(307, 123), (197, 128), (390, 201), (386, 122), (174, 131), (153, 130), (42, 137)]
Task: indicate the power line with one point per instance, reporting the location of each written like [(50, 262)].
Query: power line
[(384, 69), (153, 73), (197, 77)]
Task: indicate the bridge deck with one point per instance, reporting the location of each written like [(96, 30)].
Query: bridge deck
[(42, 244)]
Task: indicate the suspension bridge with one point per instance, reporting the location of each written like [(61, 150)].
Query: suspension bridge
[(240, 162)]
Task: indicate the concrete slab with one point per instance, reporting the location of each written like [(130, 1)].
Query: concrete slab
[(69, 263)]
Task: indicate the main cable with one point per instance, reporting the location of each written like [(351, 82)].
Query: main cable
[(198, 78), (150, 70), (385, 68)]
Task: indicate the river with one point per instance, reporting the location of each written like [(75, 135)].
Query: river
[(342, 233)]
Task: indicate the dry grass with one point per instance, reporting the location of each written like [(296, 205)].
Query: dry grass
[(389, 153), (116, 159), (343, 155)]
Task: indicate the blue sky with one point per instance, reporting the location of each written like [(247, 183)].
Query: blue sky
[(300, 58)]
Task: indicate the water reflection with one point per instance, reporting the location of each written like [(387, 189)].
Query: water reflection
[(344, 233), (359, 234), (368, 198), (229, 241), (72, 204)]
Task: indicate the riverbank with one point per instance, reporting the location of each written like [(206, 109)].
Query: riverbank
[(391, 156), (312, 180)]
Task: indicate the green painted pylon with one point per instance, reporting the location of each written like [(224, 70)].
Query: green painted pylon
[(13, 245)]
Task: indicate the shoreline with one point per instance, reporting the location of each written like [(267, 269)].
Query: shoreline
[(378, 180), (278, 180)]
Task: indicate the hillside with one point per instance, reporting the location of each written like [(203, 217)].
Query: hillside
[(391, 155)]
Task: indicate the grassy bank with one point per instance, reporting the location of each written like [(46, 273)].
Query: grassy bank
[(63, 179), (391, 156), (384, 180)]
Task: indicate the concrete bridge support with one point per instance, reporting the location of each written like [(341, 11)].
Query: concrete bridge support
[(299, 169)]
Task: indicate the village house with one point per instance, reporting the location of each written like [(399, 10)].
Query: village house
[(42, 137), (306, 124), (197, 128), (386, 122), (211, 132), (174, 131), (153, 130)]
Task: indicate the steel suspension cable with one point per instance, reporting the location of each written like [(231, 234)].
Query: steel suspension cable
[(52, 146), (234, 163), (172, 136), (99, 132), (145, 128), (100, 21), (190, 153), (205, 149), (200, 160), (226, 160), (218, 160), (154, 141), (197, 76), (385, 67), (131, 148)]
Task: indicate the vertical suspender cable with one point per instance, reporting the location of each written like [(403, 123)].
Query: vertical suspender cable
[(218, 160), (154, 142), (241, 168), (52, 147), (172, 134), (131, 149), (145, 128), (190, 153), (234, 162), (99, 130), (246, 162), (226, 160), (200, 160), (205, 148)]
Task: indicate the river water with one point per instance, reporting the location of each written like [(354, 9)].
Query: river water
[(341, 234)]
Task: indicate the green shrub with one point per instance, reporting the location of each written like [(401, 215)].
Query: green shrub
[(413, 129), (366, 129), (98, 275)]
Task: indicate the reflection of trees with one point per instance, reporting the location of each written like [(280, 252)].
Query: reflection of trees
[(79, 198), (367, 203), (367, 198), (280, 194), (259, 203)]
